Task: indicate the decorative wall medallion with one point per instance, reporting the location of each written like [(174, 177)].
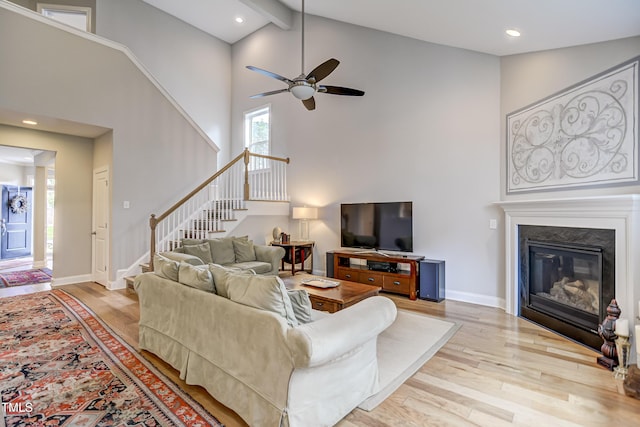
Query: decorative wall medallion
[(584, 135)]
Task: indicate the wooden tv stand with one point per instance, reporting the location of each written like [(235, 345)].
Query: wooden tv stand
[(352, 265)]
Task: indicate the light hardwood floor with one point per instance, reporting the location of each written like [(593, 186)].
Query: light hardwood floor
[(497, 370)]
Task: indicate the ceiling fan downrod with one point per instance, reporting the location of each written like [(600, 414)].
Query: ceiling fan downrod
[(302, 56)]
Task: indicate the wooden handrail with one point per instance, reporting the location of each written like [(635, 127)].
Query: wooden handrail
[(245, 156)]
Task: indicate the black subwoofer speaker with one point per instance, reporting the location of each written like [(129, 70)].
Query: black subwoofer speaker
[(431, 280), (329, 265)]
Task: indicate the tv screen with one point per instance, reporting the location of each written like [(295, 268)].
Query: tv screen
[(380, 226)]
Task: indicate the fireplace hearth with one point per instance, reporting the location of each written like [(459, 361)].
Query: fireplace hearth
[(567, 278)]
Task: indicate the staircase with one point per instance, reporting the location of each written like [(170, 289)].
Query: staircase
[(209, 209)]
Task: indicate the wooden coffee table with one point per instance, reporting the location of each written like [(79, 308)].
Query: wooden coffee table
[(331, 299)]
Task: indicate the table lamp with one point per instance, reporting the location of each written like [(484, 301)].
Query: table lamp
[(304, 214)]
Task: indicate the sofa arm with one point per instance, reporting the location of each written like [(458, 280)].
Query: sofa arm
[(270, 254), (177, 256), (319, 342)]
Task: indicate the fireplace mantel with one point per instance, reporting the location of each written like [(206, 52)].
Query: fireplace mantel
[(620, 213)]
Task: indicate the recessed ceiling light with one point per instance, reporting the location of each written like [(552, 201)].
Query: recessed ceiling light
[(29, 122), (239, 19), (513, 33)]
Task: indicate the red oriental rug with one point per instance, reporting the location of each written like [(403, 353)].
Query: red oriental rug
[(24, 277), (62, 366)]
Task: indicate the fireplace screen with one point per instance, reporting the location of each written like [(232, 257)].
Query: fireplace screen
[(565, 281)]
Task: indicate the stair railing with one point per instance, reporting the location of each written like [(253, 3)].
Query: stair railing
[(249, 176)]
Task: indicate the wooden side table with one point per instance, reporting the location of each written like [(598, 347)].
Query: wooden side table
[(304, 247)]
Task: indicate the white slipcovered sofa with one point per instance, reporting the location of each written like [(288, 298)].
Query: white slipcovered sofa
[(270, 370)]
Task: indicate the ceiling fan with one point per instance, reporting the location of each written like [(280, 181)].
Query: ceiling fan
[(304, 87)]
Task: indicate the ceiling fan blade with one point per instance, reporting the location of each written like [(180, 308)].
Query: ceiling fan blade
[(337, 90), (323, 70), (270, 74), (309, 103), (273, 92)]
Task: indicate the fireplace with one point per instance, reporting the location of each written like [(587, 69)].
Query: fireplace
[(619, 213), (567, 278)]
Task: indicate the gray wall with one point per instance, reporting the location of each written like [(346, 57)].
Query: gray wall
[(531, 77), (427, 130), (193, 66)]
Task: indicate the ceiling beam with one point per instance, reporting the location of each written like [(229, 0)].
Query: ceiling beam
[(273, 10)]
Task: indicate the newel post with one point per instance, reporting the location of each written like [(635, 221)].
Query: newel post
[(152, 223), (246, 174)]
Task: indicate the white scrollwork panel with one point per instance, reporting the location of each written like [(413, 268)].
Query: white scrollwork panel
[(585, 135)]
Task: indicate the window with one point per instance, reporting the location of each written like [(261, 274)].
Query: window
[(257, 134), (75, 16)]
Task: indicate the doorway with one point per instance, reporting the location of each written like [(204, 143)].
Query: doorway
[(28, 190)]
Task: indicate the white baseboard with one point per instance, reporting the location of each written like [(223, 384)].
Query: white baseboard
[(70, 280), (39, 264), (476, 299), (120, 283)]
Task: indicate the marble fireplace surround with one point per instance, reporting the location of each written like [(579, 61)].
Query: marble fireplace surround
[(620, 213)]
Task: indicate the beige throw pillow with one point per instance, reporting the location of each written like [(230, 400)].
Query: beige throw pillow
[(202, 251), (222, 251), (220, 274), (244, 250), (196, 277), (165, 267), (301, 304), (263, 292)]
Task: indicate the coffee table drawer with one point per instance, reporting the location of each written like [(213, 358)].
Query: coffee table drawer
[(397, 284), (323, 305)]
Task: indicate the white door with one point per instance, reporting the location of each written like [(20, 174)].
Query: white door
[(100, 241)]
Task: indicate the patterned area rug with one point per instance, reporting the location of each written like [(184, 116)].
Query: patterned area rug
[(24, 277), (62, 366)]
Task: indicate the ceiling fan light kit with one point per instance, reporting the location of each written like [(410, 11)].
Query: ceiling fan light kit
[(303, 88)]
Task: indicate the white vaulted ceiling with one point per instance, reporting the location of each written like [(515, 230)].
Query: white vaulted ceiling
[(469, 24)]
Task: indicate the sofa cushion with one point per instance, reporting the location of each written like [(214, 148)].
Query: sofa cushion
[(258, 267), (263, 292), (301, 305), (220, 274), (244, 250), (222, 251), (165, 267), (197, 277), (202, 251)]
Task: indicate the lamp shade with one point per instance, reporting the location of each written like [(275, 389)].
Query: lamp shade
[(304, 213)]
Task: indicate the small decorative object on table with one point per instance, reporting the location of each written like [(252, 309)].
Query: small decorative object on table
[(607, 333), (276, 234), (623, 348)]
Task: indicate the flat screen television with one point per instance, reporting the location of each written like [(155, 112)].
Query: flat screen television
[(380, 226)]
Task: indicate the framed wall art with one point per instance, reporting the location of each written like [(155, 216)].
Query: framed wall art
[(584, 135)]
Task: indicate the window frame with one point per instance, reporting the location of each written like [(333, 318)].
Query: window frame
[(247, 118), (43, 8)]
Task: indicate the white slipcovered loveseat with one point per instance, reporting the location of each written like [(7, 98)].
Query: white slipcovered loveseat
[(270, 370)]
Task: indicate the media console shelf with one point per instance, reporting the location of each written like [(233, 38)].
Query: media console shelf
[(393, 273)]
